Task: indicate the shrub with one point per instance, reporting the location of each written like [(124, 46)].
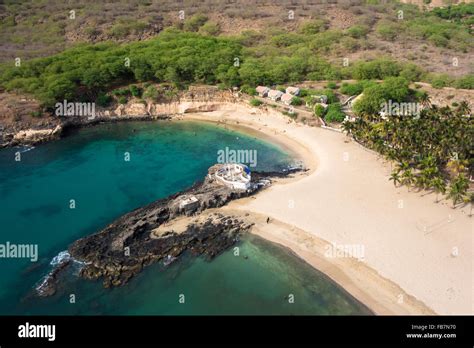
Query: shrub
[(319, 110), (313, 27), (331, 85), (332, 98), (135, 91), (438, 40), (255, 102), (36, 113), (195, 22), (387, 31), (210, 28), (296, 101), (439, 81), (151, 93), (380, 68), (411, 72), (466, 82), (248, 90), (122, 100), (334, 113), (121, 92), (358, 31), (350, 44), (103, 100), (351, 88), (123, 28), (393, 88)]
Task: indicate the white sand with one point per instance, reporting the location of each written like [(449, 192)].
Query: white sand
[(347, 199)]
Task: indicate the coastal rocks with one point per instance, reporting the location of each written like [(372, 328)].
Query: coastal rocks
[(35, 136), (48, 286), (19, 127), (135, 109), (142, 237)]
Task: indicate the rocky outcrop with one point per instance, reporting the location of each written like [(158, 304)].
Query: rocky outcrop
[(48, 286), (35, 136), (196, 99), (50, 127), (122, 249)]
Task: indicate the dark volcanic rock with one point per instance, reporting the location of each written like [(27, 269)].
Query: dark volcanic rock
[(126, 246), (49, 285)]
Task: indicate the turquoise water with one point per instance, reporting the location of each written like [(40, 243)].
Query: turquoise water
[(90, 167)]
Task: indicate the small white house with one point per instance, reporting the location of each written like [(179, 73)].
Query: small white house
[(262, 91), (293, 90), (287, 98), (188, 202), (275, 94)]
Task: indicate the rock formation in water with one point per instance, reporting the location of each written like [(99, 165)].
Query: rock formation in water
[(123, 248)]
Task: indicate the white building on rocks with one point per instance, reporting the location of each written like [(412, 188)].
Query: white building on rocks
[(234, 175)]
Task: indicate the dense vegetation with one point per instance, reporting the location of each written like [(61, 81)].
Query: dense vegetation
[(86, 71), (196, 52)]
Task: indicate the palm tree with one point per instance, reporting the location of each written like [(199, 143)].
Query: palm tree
[(347, 126), (425, 100), (408, 178), (403, 166), (463, 108), (439, 186), (395, 176), (458, 188)]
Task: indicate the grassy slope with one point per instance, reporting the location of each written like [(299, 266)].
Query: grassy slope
[(40, 28)]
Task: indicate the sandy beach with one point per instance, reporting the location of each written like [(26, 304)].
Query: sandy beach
[(393, 249)]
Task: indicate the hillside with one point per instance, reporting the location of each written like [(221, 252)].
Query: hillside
[(352, 30)]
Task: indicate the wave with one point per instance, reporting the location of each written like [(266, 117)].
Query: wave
[(63, 256), (26, 148)]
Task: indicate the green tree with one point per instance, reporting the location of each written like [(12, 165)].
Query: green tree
[(195, 22), (334, 113), (458, 189), (395, 177), (358, 31), (319, 110), (151, 93), (255, 102), (408, 177), (210, 28)]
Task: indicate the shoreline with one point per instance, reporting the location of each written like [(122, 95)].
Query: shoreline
[(345, 272), (380, 281)]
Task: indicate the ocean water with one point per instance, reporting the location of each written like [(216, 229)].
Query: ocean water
[(64, 190)]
